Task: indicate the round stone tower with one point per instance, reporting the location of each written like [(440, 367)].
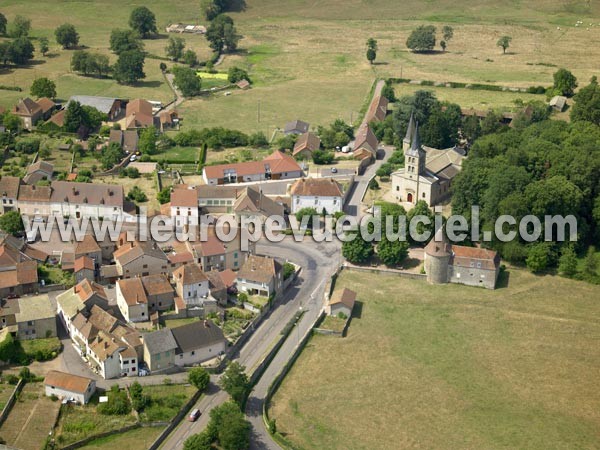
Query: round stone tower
[(437, 259)]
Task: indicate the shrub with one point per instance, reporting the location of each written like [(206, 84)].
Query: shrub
[(199, 377)]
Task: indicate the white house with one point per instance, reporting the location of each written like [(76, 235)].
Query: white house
[(319, 193), (191, 284), (65, 385), (184, 207)]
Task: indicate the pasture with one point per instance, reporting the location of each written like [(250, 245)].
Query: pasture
[(451, 367), (307, 59)]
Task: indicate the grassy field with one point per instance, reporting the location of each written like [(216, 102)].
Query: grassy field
[(78, 422), (307, 59), (138, 439), (166, 400), (470, 98), (451, 367), (30, 419)]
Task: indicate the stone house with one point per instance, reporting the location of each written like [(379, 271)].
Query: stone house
[(66, 386), (260, 275)]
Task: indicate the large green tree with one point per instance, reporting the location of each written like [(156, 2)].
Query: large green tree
[(565, 83), (358, 250), (11, 222), (222, 34), (235, 382), (147, 142), (129, 67), (188, 81), (587, 103), (392, 253), (125, 40), (199, 377), (143, 21), (66, 35), (43, 87), (422, 39)]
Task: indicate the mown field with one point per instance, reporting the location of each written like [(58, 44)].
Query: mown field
[(451, 367), (307, 58)]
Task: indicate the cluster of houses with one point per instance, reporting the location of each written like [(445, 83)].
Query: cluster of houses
[(69, 199), (129, 114)]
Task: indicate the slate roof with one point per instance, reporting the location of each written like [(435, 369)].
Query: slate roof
[(159, 341), (296, 127), (197, 335), (102, 104), (90, 193)]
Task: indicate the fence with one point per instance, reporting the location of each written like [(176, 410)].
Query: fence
[(11, 401), (329, 287), (382, 271)]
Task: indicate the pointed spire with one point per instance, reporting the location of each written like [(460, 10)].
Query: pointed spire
[(416, 139), (410, 130)]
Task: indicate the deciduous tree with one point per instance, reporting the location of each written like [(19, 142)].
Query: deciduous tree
[(422, 39), (43, 87), (504, 42), (129, 67), (66, 35), (143, 21)]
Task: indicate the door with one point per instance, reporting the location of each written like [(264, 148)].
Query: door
[(409, 198)]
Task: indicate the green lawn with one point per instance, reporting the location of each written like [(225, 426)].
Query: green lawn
[(178, 155), (174, 323), (49, 345), (451, 367)]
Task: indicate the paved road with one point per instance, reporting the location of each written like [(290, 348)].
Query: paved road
[(361, 184), (307, 293)]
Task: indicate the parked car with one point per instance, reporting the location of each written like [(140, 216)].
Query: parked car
[(194, 415), (133, 158), (333, 170)]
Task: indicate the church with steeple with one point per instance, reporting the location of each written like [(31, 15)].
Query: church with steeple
[(428, 172)]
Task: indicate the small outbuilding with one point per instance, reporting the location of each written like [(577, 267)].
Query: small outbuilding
[(67, 386), (342, 302)]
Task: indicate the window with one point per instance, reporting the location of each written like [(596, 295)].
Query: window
[(145, 266), (423, 194), (30, 323), (397, 188), (143, 314), (316, 200), (235, 255), (193, 353)]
